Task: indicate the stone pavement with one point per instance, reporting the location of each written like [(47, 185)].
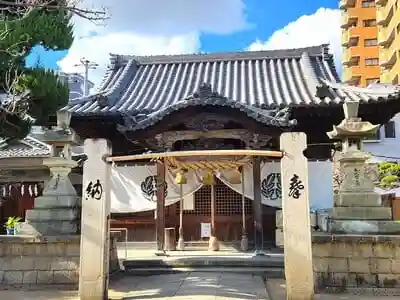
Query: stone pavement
[(196, 285), (186, 286), (277, 291), (144, 250), (180, 286)]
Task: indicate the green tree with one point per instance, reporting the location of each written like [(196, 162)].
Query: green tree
[(389, 174), (33, 94)]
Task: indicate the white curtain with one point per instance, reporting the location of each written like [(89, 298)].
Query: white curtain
[(133, 188), (270, 183)]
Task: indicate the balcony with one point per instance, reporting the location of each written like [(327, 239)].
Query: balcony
[(386, 35), (384, 39), (393, 72), (347, 21), (351, 61), (346, 73), (345, 38), (343, 4), (387, 58), (345, 55), (353, 41), (353, 80), (384, 15), (381, 2)]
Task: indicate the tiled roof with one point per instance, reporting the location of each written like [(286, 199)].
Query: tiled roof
[(203, 97), (146, 86), (31, 146), (28, 147), (341, 92)]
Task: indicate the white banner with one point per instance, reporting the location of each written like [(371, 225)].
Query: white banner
[(270, 183), (133, 188)]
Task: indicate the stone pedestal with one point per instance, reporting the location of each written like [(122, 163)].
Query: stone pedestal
[(181, 244), (213, 244), (244, 243), (56, 212), (357, 208)]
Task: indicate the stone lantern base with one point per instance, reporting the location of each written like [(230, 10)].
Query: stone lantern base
[(57, 211)]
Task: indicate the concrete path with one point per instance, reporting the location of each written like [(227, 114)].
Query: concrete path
[(186, 286), (196, 285), (181, 286)]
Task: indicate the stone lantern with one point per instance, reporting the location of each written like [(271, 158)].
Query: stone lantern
[(352, 130), (56, 211), (357, 208)]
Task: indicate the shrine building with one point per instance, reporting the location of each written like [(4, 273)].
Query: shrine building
[(242, 100)]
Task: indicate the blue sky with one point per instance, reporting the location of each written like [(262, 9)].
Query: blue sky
[(267, 17), (234, 25)]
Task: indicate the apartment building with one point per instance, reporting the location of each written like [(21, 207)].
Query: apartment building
[(388, 21), (360, 42), (76, 84), (371, 49)]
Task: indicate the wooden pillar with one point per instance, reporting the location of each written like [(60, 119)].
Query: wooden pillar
[(257, 205), (181, 241), (213, 242), (160, 221), (244, 243), (296, 217)]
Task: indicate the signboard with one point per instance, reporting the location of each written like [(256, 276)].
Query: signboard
[(188, 202), (205, 229)]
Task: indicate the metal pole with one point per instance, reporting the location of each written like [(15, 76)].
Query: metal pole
[(86, 78), (243, 207), (87, 64)]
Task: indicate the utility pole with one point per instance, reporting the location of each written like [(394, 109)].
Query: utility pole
[(87, 64)]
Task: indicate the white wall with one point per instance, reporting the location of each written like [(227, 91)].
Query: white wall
[(320, 174), (389, 147)]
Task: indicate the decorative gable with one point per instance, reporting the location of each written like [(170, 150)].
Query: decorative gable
[(28, 147)]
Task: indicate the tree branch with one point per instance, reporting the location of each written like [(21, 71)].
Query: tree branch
[(23, 7)]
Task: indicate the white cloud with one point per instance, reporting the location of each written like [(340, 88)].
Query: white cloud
[(309, 30), (150, 27)]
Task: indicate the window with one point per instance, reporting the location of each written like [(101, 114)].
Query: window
[(353, 22), (372, 80), (368, 3), (371, 61), (353, 41), (390, 130), (370, 42), (369, 23)]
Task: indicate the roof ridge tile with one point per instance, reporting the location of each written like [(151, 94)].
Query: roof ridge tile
[(117, 59)]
